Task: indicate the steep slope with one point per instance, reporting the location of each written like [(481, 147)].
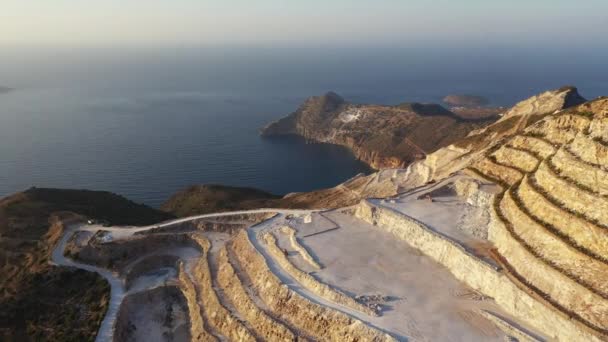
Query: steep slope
[(550, 222), (381, 136), (41, 301), (465, 151)]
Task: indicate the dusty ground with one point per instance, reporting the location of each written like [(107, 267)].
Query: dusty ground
[(446, 213), (425, 302), (155, 315)]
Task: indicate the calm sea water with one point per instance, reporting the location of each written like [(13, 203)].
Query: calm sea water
[(148, 125)]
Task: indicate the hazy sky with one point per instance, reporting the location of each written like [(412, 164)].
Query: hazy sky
[(159, 22)]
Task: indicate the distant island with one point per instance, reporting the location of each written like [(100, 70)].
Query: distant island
[(4, 90), (472, 106), (465, 100)]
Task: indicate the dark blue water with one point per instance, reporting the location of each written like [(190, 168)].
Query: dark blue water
[(148, 124), (149, 146)]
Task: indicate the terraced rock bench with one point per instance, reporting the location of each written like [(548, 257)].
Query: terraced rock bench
[(198, 327), (576, 170), (295, 244), (516, 158), (264, 325), (560, 129), (504, 174), (220, 318), (536, 145), (585, 271), (318, 321), (584, 235), (541, 278), (590, 206), (310, 282)]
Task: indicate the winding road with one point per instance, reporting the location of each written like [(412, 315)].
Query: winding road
[(118, 292)]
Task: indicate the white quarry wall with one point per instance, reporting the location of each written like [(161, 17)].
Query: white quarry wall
[(476, 273)]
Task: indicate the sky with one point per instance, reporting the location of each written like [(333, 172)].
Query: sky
[(300, 22)]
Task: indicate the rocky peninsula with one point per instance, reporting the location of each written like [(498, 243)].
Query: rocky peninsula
[(381, 136)]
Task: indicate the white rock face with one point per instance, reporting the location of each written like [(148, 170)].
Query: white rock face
[(548, 102), (350, 115)]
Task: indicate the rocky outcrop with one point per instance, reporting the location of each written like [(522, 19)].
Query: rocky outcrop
[(546, 103), (382, 136), (524, 114)]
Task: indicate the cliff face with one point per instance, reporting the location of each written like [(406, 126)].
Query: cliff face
[(381, 136)]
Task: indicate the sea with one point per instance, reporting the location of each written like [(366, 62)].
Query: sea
[(145, 123)]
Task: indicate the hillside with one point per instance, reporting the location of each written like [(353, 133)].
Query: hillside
[(550, 221), (381, 136), (41, 301), (458, 155), (465, 100), (204, 199), (213, 198), (499, 236)]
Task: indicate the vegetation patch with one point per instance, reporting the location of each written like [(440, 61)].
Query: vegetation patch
[(43, 302)]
